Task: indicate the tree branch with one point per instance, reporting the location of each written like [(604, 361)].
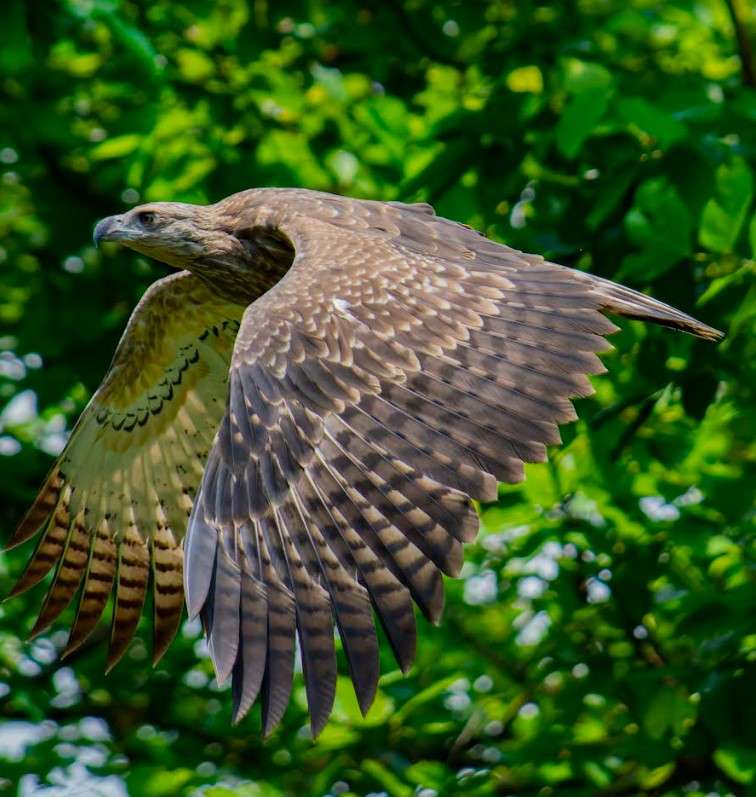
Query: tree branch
[(744, 45)]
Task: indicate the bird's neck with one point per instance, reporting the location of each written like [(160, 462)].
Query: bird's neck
[(259, 259)]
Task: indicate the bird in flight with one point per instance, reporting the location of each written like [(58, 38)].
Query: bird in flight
[(295, 426)]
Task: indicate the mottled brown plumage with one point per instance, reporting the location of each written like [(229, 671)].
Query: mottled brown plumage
[(316, 400)]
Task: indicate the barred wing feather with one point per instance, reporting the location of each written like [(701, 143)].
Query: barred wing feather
[(113, 511), (402, 367)]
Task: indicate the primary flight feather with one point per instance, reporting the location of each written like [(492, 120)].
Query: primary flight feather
[(295, 425)]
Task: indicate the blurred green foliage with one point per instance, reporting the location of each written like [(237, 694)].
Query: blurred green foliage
[(602, 640)]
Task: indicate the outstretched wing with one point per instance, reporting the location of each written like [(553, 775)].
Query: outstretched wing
[(402, 367), (115, 505)]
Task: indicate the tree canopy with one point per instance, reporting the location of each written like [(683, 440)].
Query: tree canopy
[(601, 640)]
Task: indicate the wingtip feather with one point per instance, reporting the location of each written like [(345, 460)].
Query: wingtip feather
[(223, 635), (38, 514), (199, 552), (633, 304)]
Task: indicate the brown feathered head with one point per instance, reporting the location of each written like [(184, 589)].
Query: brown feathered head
[(173, 232)]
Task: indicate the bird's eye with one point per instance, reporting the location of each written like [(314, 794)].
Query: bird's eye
[(146, 218)]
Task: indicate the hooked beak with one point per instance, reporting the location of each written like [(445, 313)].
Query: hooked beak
[(109, 229)]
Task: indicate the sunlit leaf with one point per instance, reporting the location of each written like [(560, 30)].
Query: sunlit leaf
[(115, 147), (526, 78), (737, 762)]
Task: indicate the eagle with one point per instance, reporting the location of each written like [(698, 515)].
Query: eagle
[(296, 425)]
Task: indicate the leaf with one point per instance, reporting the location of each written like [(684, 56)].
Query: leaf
[(611, 192), (655, 777), (127, 34), (525, 79), (724, 214), (554, 772), (115, 147), (336, 737), (589, 730), (581, 76), (427, 774), (346, 710), (729, 282), (738, 763), (387, 778), (428, 694), (590, 86), (597, 774), (194, 65), (660, 225), (242, 790), (658, 124), (745, 316), (155, 782), (667, 711), (579, 119)]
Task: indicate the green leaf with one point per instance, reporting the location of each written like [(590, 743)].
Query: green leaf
[(589, 730), (737, 762), (194, 65), (115, 147), (597, 774), (133, 40), (579, 119), (346, 710), (652, 121), (428, 694), (427, 774), (154, 782), (590, 87), (611, 192), (525, 79), (336, 737), (381, 773), (242, 790), (660, 225), (741, 277), (582, 76), (668, 711), (724, 214), (655, 777)]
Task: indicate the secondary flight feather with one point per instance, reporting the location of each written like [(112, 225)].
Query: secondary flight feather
[(295, 426)]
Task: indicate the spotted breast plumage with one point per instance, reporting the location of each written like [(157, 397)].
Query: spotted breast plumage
[(295, 426)]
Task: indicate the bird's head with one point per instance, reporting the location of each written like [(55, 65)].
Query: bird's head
[(173, 232), (225, 243)]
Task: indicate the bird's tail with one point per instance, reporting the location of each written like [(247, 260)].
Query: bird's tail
[(632, 304)]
